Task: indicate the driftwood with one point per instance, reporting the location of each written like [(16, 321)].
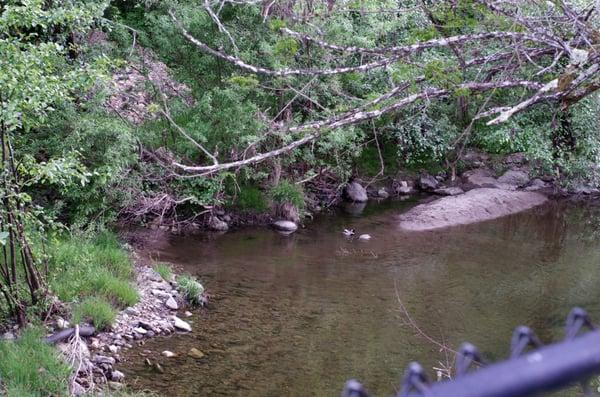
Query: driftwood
[(67, 333)]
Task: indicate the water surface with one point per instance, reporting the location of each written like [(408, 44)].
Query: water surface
[(298, 315)]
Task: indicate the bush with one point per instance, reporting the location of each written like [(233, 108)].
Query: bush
[(190, 288), (96, 310), (288, 192), (30, 367), (163, 270)]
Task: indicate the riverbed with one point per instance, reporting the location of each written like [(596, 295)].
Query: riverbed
[(298, 315)]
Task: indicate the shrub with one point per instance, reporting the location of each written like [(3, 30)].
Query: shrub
[(190, 288), (96, 310), (163, 270), (288, 192), (30, 367)]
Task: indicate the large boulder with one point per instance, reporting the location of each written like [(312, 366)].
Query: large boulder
[(480, 177), (428, 183), (477, 205), (355, 192), (216, 224), (515, 177)]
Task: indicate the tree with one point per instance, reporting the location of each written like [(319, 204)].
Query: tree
[(494, 58), (38, 71)]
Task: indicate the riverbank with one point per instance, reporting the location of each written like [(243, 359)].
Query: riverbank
[(107, 298)]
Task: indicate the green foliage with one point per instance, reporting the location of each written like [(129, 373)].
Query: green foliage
[(250, 198), (288, 192), (30, 367), (96, 310), (163, 270), (190, 288)]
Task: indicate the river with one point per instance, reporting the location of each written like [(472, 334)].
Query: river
[(298, 315)]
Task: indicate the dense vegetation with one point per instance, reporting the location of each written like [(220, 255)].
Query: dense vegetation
[(262, 106)]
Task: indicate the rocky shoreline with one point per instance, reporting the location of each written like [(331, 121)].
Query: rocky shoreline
[(159, 311)]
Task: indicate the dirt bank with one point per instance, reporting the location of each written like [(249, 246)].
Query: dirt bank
[(476, 205)]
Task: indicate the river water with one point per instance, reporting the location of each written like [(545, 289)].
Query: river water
[(298, 315)]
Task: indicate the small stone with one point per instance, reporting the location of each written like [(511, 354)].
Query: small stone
[(8, 336), (148, 362), (160, 293), (140, 330), (115, 385), (168, 354), (187, 314), (98, 359), (132, 311), (383, 193), (150, 334), (117, 376), (113, 349), (195, 353), (364, 237), (171, 303), (181, 325), (61, 323), (159, 368)]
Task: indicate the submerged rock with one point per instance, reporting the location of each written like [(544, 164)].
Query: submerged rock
[(195, 353), (285, 226), (474, 206), (355, 192), (354, 209)]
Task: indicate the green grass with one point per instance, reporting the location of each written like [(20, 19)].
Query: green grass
[(250, 198), (163, 270), (288, 192), (190, 288), (91, 269), (30, 367), (96, 310)]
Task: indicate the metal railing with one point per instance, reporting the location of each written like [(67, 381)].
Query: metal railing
[(573, 360)]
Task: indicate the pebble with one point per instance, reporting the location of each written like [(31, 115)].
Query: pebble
[(117, 376), (168, 354), (187, 314), (113, 349), (140, 330)]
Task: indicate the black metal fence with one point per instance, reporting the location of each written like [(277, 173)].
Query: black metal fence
[(573, 360)]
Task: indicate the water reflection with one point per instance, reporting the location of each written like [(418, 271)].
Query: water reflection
[(298, 315)]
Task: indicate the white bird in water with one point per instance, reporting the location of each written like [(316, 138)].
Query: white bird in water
[(349, 232)]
